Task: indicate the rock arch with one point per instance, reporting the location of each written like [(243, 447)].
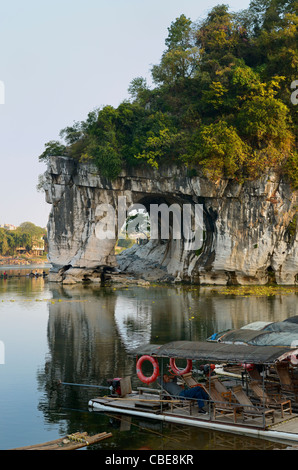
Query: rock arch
[(239, 233)]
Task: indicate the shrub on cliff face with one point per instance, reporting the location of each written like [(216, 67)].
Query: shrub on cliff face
[(291, 169), (221, 103), (53, 148)]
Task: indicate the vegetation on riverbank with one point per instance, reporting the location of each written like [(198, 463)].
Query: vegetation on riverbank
[(259, 291), (23, 243), (221, 102)]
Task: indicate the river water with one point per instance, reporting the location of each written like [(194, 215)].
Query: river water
[(83, 334)]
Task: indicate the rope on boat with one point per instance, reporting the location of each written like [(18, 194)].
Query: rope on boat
[(155, 400), (85, 385), (77, 437)]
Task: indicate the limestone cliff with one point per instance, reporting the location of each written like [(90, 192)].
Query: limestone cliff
[(250, 229)]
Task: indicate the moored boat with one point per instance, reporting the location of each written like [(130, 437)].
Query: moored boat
[(233, 402)]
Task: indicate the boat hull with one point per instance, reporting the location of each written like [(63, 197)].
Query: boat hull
[(207, 424)]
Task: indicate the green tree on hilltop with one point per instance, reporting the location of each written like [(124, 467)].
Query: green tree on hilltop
[(180, 59), (220, 104)]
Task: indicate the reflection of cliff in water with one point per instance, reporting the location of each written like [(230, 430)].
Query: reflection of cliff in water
[(91, 329), (81, 334), (133, 321), (155, 315)]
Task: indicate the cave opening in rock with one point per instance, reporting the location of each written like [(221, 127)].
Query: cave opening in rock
[(164, 231), (135, 230), (271, 277)]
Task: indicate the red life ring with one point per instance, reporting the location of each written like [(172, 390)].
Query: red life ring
[(179, 371), (248, 366), (294, 358), (142, 377)]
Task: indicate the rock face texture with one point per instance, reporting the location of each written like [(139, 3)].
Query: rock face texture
[(250, 230)]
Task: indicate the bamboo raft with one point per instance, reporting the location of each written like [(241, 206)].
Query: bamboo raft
[(69, 442)]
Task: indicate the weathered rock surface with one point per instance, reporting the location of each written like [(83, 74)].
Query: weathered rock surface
[(250, 229)]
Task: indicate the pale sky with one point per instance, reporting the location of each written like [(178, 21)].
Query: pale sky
[(60, 60)]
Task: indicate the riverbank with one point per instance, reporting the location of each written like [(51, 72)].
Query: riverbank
[(22, 260)]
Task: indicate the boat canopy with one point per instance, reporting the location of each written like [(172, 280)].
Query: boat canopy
[(283, 326), (217, 352), (293, 319)]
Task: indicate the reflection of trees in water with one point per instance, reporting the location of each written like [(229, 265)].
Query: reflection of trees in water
[(21, 284)]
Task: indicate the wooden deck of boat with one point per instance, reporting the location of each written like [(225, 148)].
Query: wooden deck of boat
[(146, 403), (289, 425)]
